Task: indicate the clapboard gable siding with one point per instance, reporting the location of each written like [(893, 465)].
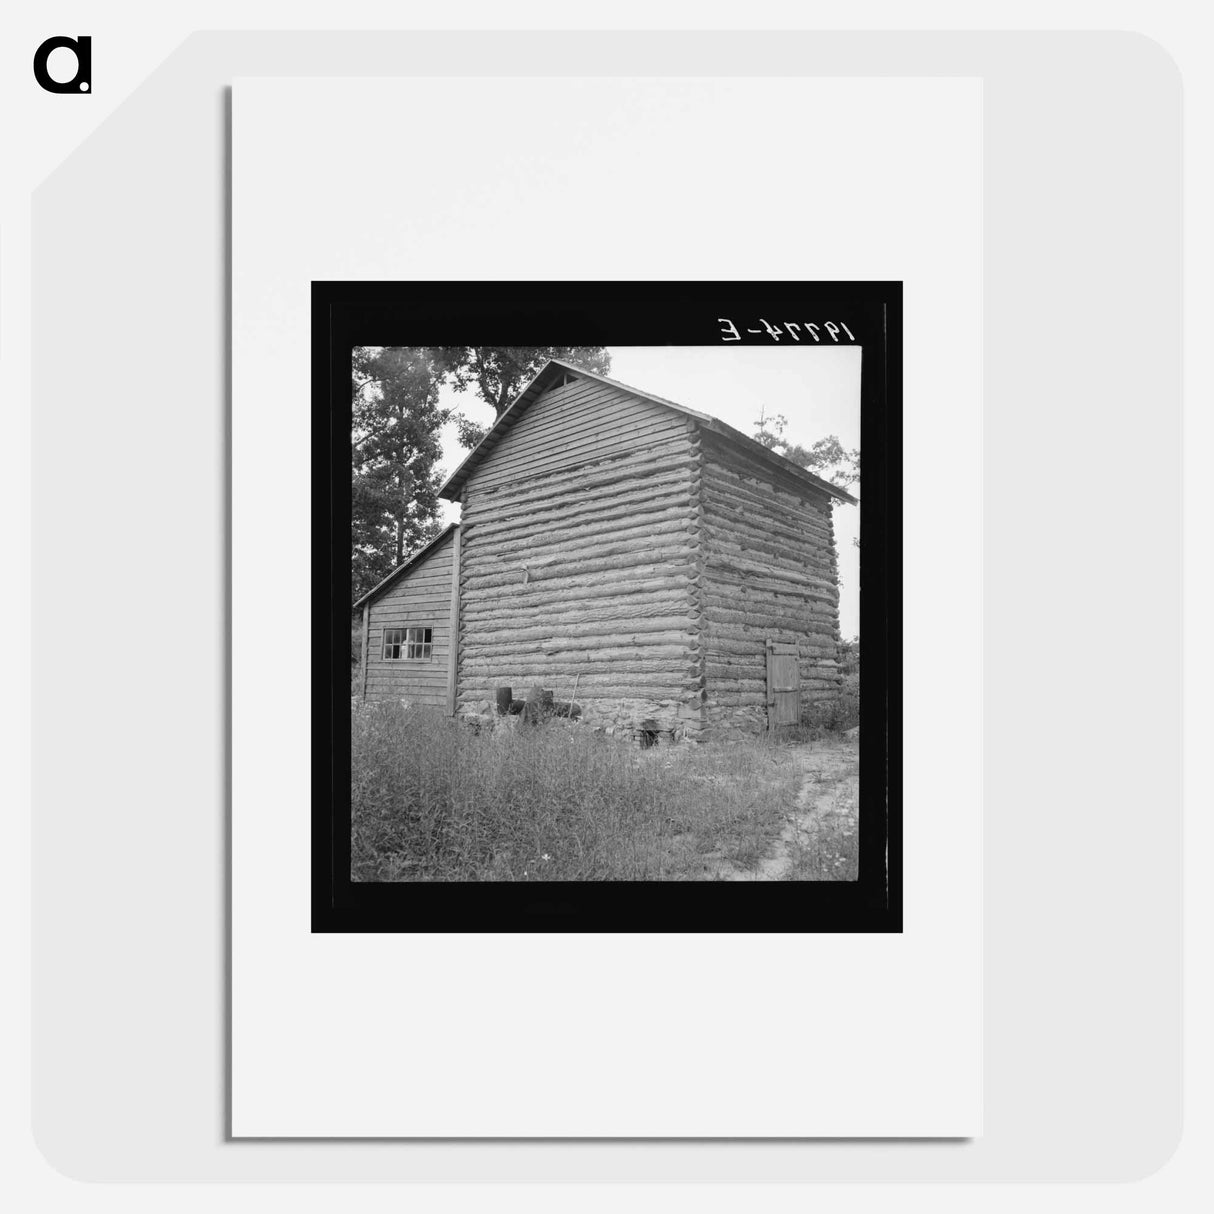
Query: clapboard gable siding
[(770, 572), (580, 422), (419, 598)]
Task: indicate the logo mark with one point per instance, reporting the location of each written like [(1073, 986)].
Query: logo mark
[(82, 81)]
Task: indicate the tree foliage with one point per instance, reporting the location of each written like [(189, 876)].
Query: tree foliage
[(395, 436), (827, 458), (395, 450), (499, 373)]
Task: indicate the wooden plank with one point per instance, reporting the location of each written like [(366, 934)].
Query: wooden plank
[(675, 652), (755, 463), (453, 655), (390, 670), (585, 447), (585, 431), (366, 632), (428, 687), (408, 564), (582, 390), (435, 677), (432, 574), (609, 587), (435, 604), (771, 698), (540, 631), (567, 406), (646, 468), (582, 397), (403, 668), (434, 600), (698, 585), (573, 575), (409, 587), (435, 693), (571, 418), (589, 516), (408, 617), (734, 507), (673, 604), (787, 680), (553, 547)]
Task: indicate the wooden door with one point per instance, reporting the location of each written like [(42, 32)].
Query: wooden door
[(783, 685)]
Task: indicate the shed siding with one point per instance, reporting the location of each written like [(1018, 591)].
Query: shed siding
[(770, 572), (420, 597), (578, 562)]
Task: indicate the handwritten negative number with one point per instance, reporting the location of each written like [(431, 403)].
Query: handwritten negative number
[(729, 331)]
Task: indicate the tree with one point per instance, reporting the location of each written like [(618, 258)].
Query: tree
[(395, 447), (499, 373), (395, 439), (827, 458)]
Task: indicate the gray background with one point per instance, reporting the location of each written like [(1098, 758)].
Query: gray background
[(1081, 617)]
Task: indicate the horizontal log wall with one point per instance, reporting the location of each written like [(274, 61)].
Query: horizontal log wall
[(420, 598), (770, 573), (578, 562)]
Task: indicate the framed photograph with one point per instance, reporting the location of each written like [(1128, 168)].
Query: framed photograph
[(593, 565)]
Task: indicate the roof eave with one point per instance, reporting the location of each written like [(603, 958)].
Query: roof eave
[(780, 461), (404, 566), (451, 487)]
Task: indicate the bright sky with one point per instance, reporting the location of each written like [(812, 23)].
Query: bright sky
[(816, 388)]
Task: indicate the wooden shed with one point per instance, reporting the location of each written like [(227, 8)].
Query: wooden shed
[(683, 575), (407, 628)]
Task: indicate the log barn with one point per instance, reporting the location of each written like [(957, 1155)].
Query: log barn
[(681, 575)]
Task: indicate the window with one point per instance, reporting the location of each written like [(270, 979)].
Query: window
[(411, 644)]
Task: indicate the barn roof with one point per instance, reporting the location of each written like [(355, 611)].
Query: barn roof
[(555, 367), (404, 567)]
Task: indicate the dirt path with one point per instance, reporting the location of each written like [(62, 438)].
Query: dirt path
[(823, 816)]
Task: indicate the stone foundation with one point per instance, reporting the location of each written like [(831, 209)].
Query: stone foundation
[(671, 720)]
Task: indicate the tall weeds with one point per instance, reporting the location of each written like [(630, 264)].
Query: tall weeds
[(432, 799)]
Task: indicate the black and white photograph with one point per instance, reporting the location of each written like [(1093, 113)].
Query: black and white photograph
[(604, 606)]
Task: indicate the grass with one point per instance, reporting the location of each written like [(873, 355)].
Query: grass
[(831, 852), (433, 799), (837, 715)]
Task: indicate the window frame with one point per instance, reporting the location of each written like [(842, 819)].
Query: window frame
[(408, 647)]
